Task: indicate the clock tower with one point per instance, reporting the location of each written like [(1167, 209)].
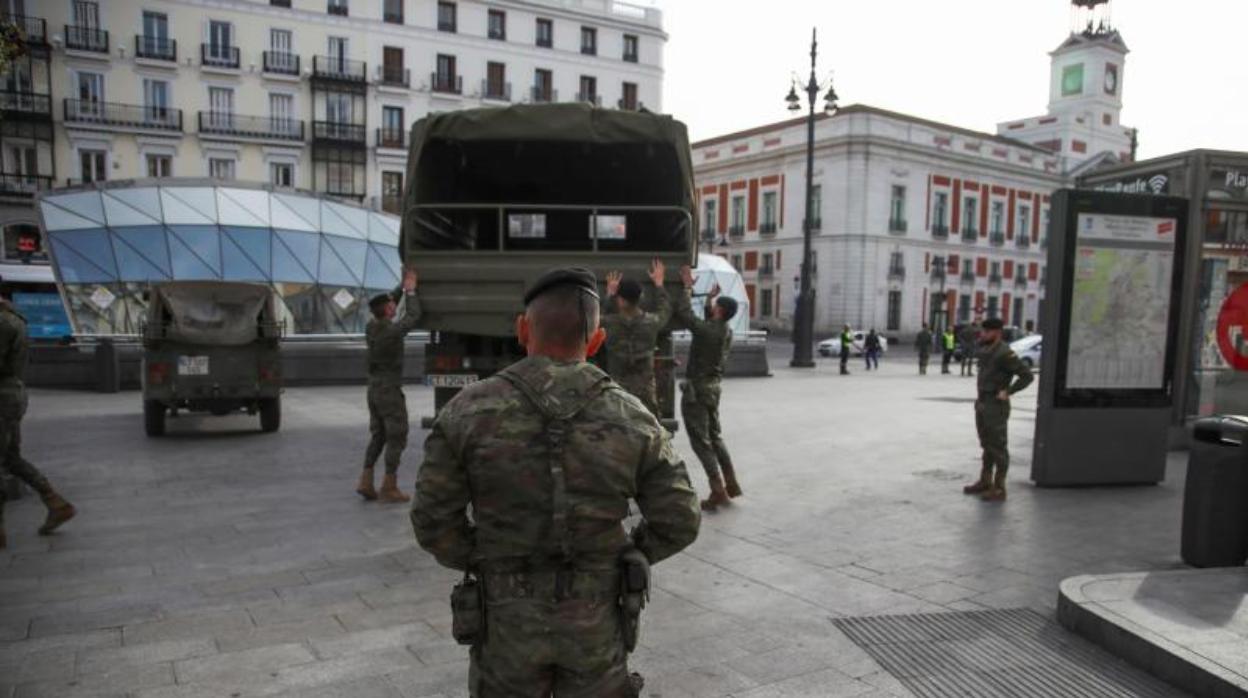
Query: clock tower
[(1085, 93)]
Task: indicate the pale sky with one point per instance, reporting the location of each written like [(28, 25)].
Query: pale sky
[(970, 63)]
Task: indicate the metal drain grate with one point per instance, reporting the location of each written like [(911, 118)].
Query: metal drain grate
[(1017, 653)]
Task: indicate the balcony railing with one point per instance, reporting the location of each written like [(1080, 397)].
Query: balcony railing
[(337, 8), (896, 225), (541, 95), (767, 228), (938, 271), (1020, 281), (338, 68), (26, 103), (447, 84), (127, 115), (391, 17), (281, 62), (766, 272), (940, 230), (227, 124), (970, 235), (736, 231), (86, 39), (35, 29), (396, 76), (218, 55), (994, 279), (968, 277), (630, 57), (392, 203), (1022, 241), (156, 48), (446, 25), (816, 224), (896, 272), (23, 185), (391, 138), (589, 98), (336, 131), (498, 91), (996, 239)]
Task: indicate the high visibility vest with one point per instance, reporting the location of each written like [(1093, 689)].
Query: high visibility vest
[(949, 340)]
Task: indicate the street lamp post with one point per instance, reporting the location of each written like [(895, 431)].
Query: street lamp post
[(804, 317)]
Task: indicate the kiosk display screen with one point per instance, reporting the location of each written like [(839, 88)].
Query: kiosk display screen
[(1120, 302)]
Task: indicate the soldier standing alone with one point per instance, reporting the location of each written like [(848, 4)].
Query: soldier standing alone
[(548, 453), (923, 343), (13, 352), (699, 404), (632, 333), (387, 406), (1001, 374), (969, 339)]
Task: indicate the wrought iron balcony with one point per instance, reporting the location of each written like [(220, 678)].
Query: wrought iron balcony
[(589, 98), (541, 95), (396, 76), (968, 276), (266, 127), (25, 104), (816, 224), (1022, 241), (86, 39), (157, 48), (23, 185), (736, 231), (123, 115), (938, 271), (994, 279), (35, 29), (767, 228), (281, 62), (339, 132), (496, 91), (896, 225), (970, 235), (766, 272), (218, 56), (338, 68), (996, 239), (391, 138), (446, 84), (1020, 281), (896, 272), (337, 7), (630, 57), (940, 230), (391, 17)]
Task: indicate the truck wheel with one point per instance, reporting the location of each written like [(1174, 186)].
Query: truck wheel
[(154, 417), (270, 414)]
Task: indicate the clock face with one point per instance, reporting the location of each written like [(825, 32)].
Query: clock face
[(1111, 79), (1072, 80)]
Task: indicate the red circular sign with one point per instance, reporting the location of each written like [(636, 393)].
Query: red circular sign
[(1233, 329)]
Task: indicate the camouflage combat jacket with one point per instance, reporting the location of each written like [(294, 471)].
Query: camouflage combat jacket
[(541, 501), (631, 341), (1001, 369), (708, 352), (385, 343), (13, 351)]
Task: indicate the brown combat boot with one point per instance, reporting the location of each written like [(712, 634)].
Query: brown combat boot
[(996, 493), (59, 511), (364, 487), (390, 491), (982, 485), (731, 488), (718, 496)]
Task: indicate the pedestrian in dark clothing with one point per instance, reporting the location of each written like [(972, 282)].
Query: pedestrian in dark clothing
[(923, 344), (969, 339), (871, 351)]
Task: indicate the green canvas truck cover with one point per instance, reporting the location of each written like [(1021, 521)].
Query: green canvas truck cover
[(218, 313)]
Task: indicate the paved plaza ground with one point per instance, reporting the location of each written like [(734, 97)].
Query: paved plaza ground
[(220, 561)]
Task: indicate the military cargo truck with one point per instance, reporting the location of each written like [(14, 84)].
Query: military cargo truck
[(496, 197), (211, 346)]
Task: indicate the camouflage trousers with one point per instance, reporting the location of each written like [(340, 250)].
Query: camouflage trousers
[(12, 409), (699, 408), (387, 425), (546, 641), (992, 417), (641, 385)]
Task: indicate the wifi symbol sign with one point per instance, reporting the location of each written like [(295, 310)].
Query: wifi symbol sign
[(1157, 183)]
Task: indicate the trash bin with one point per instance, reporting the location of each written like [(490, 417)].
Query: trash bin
[(1215, 499)]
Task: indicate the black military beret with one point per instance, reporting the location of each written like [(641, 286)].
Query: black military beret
[(379, 300), (583, 279), (993, 323), (630, 291)]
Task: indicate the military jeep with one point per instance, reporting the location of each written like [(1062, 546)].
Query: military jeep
[(211, 346)]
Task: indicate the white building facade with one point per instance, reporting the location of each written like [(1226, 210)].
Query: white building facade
[(914, 221), (311, 94)]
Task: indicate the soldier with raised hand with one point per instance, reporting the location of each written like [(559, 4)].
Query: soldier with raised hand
[(699, 402), (1001, 374), (548, 453), (387, 406), (14, 348), (632, 333)]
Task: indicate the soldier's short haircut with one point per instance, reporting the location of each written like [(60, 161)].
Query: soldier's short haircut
[(728, 305), (564, 316)]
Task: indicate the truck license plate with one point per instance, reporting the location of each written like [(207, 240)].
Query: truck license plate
[(451, 380), (192, 365)]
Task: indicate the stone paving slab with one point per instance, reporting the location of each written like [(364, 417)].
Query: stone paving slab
[(228, 563), (1189, 627)]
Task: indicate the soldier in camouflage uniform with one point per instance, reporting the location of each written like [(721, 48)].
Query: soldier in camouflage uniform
[(548, 454), (1001, 374), (632, 333), (13, 351), (387, 406), (699, 403)]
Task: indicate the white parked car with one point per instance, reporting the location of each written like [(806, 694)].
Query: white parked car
[(832, 347), (1028, 349)]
